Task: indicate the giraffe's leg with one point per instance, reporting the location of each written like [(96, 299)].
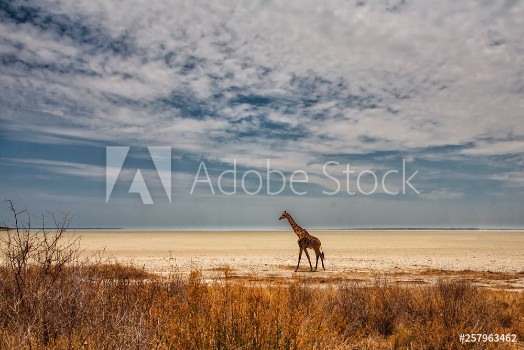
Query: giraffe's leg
[(307, 254), (320, 255), (299, 257)]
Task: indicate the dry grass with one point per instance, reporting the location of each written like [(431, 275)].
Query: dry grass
[(470, 274), (50, 299), (93, 307)]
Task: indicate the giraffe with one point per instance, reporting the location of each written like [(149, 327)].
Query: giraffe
[(305, 240)]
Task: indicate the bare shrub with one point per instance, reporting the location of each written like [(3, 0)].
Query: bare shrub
[(38, 296)]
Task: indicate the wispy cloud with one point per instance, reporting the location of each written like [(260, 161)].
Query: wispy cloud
[(95, 172), (513, 179), (496, 147)]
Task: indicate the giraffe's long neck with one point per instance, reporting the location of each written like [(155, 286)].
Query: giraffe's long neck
[(298, 230)]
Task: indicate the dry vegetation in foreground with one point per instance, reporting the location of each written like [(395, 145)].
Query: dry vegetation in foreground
[(51, 299)]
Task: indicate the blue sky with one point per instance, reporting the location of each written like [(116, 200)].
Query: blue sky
[(302, 83)]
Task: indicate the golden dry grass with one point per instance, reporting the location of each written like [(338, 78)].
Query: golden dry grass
[(99, 307)]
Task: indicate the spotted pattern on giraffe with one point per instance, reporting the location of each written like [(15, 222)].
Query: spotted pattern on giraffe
[(305, 241)]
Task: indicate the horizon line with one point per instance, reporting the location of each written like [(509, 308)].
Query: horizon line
[(252, 229)]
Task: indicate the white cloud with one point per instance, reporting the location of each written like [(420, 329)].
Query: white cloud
[(513, 179), (496, 148), (437, 74), (442, 194), (95, 172)]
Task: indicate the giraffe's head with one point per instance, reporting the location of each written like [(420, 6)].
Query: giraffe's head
[(284, 215)]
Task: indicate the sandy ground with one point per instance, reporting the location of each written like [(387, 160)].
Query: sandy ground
[(412, 256)]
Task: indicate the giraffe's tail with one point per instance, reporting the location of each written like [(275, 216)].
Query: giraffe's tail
[(322, 253)]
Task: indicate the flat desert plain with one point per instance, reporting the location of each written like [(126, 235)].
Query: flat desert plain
[(492, 258)]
